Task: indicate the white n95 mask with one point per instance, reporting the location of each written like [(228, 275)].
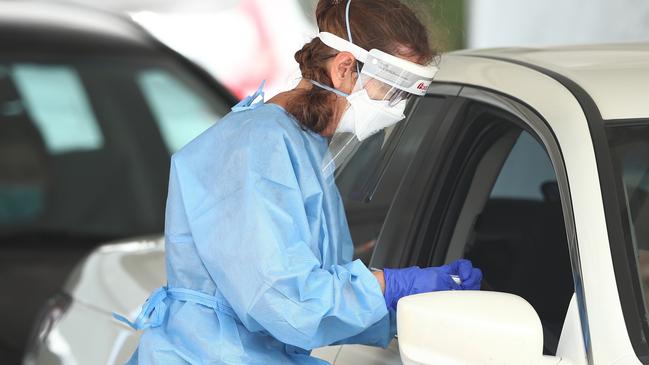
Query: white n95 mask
[(364, 116)]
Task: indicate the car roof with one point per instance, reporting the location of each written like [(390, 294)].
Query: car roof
[(616, 76), (37, 26)]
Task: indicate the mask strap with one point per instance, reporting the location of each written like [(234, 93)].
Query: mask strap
[(349, 35), (349, 29), (328, 88)]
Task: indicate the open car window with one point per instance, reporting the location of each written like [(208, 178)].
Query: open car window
[(504, 213)]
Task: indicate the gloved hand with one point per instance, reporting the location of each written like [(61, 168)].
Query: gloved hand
[(414, 280), (470, 277)]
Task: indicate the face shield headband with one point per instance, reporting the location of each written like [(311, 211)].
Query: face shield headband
[(395, 72)]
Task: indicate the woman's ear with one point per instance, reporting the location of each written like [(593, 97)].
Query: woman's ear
[(342, 70)]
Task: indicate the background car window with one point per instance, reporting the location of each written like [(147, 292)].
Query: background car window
[(84, 159), (630, 149), (57, 102), (85, 145), (180, 111), (23, 158)]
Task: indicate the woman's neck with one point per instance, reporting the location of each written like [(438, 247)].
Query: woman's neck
[(284, 98)]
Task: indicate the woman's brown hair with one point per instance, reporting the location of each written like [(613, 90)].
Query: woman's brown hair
[(387, 25)]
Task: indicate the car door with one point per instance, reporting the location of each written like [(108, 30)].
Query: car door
[(492, 188)]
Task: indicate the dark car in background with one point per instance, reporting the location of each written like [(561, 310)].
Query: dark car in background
[(91, 108)]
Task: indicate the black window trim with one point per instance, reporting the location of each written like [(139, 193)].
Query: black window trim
[(631, 122)]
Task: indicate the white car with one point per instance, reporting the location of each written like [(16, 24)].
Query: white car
[(533, 163)]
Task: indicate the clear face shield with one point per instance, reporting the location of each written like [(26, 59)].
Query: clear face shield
[(380, 91), (376, 104)]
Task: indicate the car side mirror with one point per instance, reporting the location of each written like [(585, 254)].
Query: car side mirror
[(469, 327)]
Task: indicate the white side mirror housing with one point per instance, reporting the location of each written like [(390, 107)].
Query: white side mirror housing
[(469, 327)]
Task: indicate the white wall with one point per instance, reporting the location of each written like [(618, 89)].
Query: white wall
[(496, 23)]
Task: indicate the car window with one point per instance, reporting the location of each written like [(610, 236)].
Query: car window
[(58, 104), (508, 216), (525, 171), (630, 149), (181, 112), (85, 145)]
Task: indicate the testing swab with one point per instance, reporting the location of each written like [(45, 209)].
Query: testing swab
[(456, 279)]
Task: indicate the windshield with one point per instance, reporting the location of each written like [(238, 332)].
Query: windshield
[(85, 145), (630, 149)]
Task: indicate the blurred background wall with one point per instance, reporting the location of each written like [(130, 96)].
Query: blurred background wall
[(499, 23), (245, 41)]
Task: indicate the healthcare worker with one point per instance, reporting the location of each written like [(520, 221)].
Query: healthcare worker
[(258, 250)]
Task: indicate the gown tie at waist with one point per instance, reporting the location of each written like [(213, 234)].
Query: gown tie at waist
[(154, 309)]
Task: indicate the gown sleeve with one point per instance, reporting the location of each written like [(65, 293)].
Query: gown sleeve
[(251, 230), (380, 334)]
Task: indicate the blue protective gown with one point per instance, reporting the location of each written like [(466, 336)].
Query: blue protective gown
[(258, 252)]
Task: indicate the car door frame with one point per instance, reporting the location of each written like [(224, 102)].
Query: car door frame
[(410, 249)]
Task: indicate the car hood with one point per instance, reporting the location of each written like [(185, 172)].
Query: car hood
[(118, 277)]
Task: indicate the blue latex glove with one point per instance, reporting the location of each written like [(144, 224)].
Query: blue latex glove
[(414, 280)]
